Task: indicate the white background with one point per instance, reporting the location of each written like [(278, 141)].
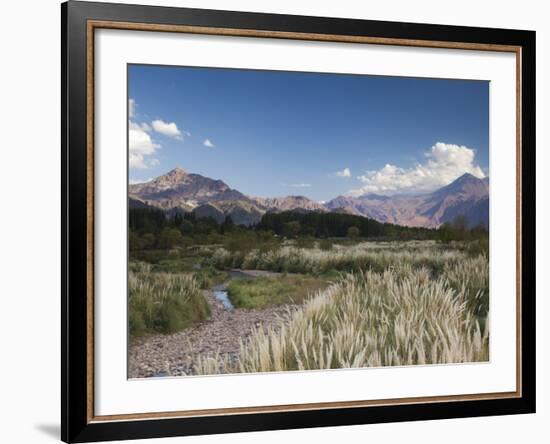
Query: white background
[(29, 226)]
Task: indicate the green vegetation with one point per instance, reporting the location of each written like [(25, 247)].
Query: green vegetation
[(269, 291), (163, 302), (206, 277), (457, 264), (368, 294), (323, 225), (373, 256), (154, 229), (354, 232)]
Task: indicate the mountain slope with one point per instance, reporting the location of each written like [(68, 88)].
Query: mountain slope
[(178, 190), (467, 195), (289, 203), (178, 187), (207, 197)]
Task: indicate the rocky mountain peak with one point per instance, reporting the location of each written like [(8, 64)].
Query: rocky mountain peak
[(465, 177), (175, 175), (466, 184)]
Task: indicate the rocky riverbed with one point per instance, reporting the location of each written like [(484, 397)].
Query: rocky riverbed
[(176, 354)]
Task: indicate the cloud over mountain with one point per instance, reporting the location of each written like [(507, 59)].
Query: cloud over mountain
[(445, 162)]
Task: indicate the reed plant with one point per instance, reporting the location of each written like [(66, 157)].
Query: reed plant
[(363, 256), (163, 302), (401, 316)]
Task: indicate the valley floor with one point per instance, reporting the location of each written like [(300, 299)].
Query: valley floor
[(293, 307), (180, 353)]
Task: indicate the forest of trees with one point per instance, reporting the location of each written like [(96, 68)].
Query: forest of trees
[(323, 225), (156, 229)]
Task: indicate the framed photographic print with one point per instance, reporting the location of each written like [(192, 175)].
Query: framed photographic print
[(276, 221)]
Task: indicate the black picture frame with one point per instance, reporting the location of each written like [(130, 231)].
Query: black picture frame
[(76, 423)]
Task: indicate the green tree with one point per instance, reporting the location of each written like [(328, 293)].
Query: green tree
[(186, 227), (353, 232), (134, 241), (227, 225), (460, 227), (445, 233), (169, 238), (292, 228), (148, 240), (206, 225), (479, 231), (460, 222)]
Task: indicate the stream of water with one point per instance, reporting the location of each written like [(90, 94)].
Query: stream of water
[(223, 297)]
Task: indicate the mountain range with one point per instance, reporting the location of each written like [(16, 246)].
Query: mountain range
[(178, 190)]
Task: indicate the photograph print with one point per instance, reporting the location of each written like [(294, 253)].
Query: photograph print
[(300, 221)]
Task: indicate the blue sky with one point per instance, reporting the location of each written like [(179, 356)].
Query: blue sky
[(269, 133)]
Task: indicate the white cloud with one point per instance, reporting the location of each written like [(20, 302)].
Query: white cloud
[(141, 146), (140, 126), (146, 127), (136, 181), (344, 173), (168, 129), (300, 185), (445, 163), (137, 161), (208, 143), (131, 108)]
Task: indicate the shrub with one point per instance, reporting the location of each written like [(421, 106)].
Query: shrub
[(325, 245), (163, 303), (478, 247), (169, 238), (353, 232)]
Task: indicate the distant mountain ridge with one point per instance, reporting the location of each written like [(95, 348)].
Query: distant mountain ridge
[(467, 195), (206, 197), (289, 203)]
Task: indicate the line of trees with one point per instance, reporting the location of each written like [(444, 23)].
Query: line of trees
[(156, 229), (323, 225), (153, 228), (458, 230)]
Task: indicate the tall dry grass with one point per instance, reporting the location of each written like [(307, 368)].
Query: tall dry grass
[(363, 256), (163, 302), (401, 316)]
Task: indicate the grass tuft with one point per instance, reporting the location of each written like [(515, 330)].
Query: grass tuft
[(162, 302), (272, 291)]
